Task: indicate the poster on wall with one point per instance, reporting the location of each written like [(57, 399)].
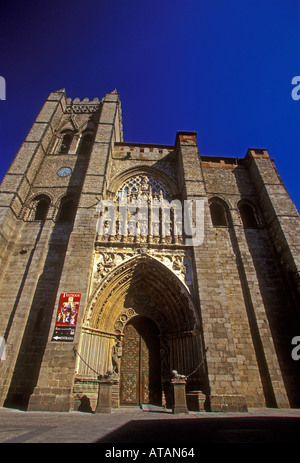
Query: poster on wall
[(66, 317)]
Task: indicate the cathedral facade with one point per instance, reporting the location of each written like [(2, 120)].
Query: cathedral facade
[(137, 260)]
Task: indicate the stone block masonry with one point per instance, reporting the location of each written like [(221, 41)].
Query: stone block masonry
[(225, 310)]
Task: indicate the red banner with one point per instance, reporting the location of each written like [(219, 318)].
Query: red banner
[(66, 317)]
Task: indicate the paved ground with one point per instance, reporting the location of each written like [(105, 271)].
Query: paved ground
[(127, 426)]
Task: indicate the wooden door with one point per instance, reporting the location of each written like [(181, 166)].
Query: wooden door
[(140, 381)]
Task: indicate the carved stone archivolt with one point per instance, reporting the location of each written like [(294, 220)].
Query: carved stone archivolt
[(160, 320), (140, 275), (147, 310), (131, 284), (179, 262)]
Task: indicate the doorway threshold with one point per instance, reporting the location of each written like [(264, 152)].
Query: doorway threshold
[(154, 408)]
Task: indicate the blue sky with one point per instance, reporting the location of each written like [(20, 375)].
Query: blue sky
[(222, 68)]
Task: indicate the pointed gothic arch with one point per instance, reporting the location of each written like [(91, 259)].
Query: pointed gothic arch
[(119, 179), (142, 286), (142, 274)]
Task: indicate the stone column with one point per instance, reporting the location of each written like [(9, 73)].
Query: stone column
[(104, 402), (179, 383)]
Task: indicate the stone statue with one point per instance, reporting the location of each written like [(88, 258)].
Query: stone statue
[(177, 376), (116, 356)]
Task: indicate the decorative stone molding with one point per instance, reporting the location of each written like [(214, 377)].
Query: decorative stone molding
[(123, 283), (123, 319), (151, 312), (156, 174), (179, 262)]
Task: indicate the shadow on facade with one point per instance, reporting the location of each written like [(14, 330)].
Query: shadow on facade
[(280, 308), (35, 337), (257, 343), (36, 333), (281, 302)]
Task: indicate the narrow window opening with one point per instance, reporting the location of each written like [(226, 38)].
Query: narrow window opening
[(248, 216), (218, 215), (42, 206), (67, 211), (85, 144), (66, 143)]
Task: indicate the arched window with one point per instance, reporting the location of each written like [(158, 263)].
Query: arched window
[(248, 216), (143, 186), (218, 214), (66, 142), (85, 144), (67, 210), (42, 206)]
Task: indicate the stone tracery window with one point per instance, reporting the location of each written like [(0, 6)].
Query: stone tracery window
[(143, 186)]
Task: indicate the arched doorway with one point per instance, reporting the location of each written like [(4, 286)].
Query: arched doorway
[(140, 376), (142, 293)]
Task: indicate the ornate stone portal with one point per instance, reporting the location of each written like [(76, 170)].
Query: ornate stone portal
[(141, 286)]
